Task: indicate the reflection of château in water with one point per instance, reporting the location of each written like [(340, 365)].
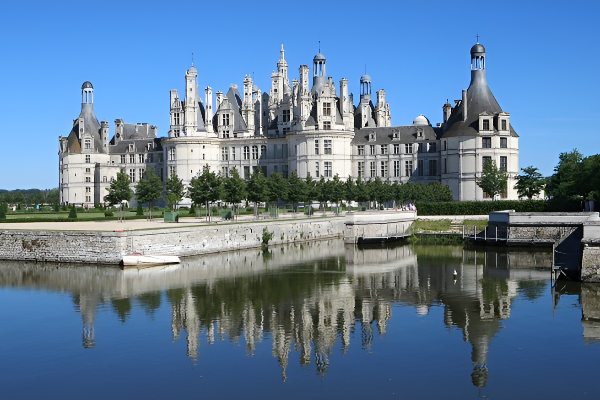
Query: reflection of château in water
[(304, 306)]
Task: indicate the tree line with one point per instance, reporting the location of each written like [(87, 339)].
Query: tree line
[(209, 187)]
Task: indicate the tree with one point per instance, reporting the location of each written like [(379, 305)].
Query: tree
[(234, 188), (72, 212), (493, 181), (205, 188), (258, 189), (3, 210), (565, 183), (174, 191), (349, 190), (530, 183), (297, 190), (321, 191), (278, 188), (337, 190), (149, 189), (119, 190), (361, 193)]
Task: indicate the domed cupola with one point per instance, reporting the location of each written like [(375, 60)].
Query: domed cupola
[(87, 93), (365, 87), (421, 120), (477, 57), (318, 73)]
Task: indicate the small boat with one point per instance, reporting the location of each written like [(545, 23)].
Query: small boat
[(147, 260)]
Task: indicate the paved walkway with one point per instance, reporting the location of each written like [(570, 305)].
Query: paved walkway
[(158, 223)]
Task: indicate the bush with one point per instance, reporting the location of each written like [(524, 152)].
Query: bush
[(108, 213), (3, 210), (73, 212), (485, 207), (139, 210)]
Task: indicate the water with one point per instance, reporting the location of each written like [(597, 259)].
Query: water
[(316, 320)]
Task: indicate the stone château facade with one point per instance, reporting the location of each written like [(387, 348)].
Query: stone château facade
[(295, 126)]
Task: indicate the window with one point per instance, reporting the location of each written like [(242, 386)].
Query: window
[(503, 124), (246, 152), (503, 163), (432, 167), (226, 119), (327, 109), (104, 179), (372, 169), (486, 124), (224, 153), (420, 169), (384, 169), (150, 157), (225, 171), (140, 158), (263, 151), (88, 159), (88, 198), (88, 144), (132, 175), (233, 153), (361, 150), (372, 149), (328, 169), (396, 169), (176, 118), (246, 172), (316, 146), (326, 125), (88, 189), (503, 142), (172, 170), (445, 166), (361, 169), (432, 147), (87, 170), (486, 142), (317, 169), (408, 168), (384, 149), (88, 179), (485, 160), (396, 148), (286, 115), (422, 148), (171, 153), (444, 145), (255, 152), (284, 170), (122, 158), (132, 158), (408, 148), (327, 147)]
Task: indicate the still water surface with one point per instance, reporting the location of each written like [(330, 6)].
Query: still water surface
[(318, 320)]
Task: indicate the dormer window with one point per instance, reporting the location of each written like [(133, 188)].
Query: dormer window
[(87, 144), (396, 136), (286, 115), (131, 147), (420, 133), (486, 125), (226, 119), (371, 137), (503, 123), (327, 109)]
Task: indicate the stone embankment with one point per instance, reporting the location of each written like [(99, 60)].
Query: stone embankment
[(104, 247)]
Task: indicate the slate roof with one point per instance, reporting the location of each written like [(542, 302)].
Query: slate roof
[(91, 126), (385, 135), (479, 99)]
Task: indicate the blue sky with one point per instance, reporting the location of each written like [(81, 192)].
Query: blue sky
[(542, 63)]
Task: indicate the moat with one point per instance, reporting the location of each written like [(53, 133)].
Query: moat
[(314, 320)]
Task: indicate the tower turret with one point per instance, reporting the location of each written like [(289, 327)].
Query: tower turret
[(318, 73), (191, 101)]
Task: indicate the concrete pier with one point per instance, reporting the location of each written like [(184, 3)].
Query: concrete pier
[(377, 225)]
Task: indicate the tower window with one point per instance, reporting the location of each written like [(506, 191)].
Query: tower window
[(503, 143), (226, 119), (88, 159), (503, 163), (327, 147), (486, 142), (316, 146), (503, 124), (486, 124), (286, 115), (327, 109), (361, 149)]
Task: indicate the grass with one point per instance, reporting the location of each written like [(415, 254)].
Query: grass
[(445, 225)]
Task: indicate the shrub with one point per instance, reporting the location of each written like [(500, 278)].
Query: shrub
[(73, 212), (139, 210), (485, 207), (108, 213)]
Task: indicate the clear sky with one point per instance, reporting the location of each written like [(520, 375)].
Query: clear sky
[(542, 63)]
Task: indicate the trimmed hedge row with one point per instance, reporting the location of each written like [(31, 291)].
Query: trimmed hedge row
[(485, 207)]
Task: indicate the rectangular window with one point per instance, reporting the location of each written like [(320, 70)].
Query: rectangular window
[(255, 152), (327, 147), (317, 172), (486, 124), (226, 119), (246, 172), (246, 152), (408, 168), (384, 169), (104, 179), (444, 145), (372, 149), (140, 158), (503, 142), (432, 167), (88, 189), (326, 125), (396, 148), (88, 179), (384, 149), (486, 142), (327, 109), (445, 165), (420, 168), (284, 170), (233, 153), (328, 169), (225, 171), (224, 153), (263, 151), (408, 149), (171, 153), (87, 170), (132, 175), (88, 159), (88, 144), (503, 163), (132, 158), (373, 172), (432, 147), (503, 124), (172, 170), (88, 198), (316, 146), (122, 158), (396, 169), (361, 149), (361, 169), (286, 115), (485, 160)]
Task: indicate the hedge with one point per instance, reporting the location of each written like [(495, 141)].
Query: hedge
[(485, 207)]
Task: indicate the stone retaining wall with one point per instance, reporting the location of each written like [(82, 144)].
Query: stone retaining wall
[(108, 247)]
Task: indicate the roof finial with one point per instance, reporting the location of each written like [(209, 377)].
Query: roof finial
[(192, 59), (477, 38), (319, 46)]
